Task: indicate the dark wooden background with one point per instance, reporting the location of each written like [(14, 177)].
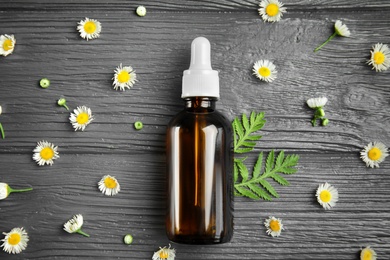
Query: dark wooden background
[(158, 47)]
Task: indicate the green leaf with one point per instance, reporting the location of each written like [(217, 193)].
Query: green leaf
[(279, 179), (243, 150), (242, 170), (244, 129), (245, 122), (246, 193), (258, 166), (259, 191), (235, 172), (269, 188), (255, 185), (270, 162)]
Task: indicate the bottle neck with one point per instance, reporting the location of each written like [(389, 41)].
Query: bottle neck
[(200, 104)]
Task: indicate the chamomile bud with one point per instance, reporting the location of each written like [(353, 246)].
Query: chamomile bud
[(62, 103), (320, 112), (325, 122), (141, 11), (128, 239), (44, 83), (138, 125)]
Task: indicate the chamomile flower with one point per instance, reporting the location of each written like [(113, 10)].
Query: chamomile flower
[(164, 253), (89, 28), (7, 44), (367, 254), (5, 190), (75, 224), (15, 241), (265, 70), (380, 57), (271, 10), (274, 226), (124, 77), (81, 117), (327, 195), (109, 185), (340, 29), (45, 153), (373, 154), (317, 102)]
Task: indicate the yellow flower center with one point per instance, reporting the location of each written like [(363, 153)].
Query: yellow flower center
[(274, 225), (7, 45), (82, 118), (325, 196), (272, 9), (47, 153), (123, 76), (110, 182), (14, 239), (164, 255), (379, 57), (367, 255), (89, 27), (264, 72), (374, 154)]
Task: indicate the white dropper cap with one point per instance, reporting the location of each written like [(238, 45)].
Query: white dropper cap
[(200, 80)]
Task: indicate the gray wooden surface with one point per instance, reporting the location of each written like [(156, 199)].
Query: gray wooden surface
[(158, 47)]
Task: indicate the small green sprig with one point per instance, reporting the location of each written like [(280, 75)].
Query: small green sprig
[(256, 185)]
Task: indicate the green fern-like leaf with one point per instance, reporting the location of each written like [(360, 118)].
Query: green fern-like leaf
[(256, 185), (244, 129)]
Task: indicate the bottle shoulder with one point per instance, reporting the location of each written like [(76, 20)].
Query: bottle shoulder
[(186, 119)]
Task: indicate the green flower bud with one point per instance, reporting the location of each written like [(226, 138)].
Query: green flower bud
[(44, 83), (62, 103), (141, 10), (128, 239), (138, 125), (325, 121)]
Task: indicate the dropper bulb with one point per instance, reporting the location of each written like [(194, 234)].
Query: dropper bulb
[(200, 54)]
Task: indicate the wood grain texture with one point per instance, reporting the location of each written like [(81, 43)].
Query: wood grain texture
[(158, 47)]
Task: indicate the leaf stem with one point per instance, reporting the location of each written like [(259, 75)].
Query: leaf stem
[(18, 190), (82, 233), (322, 45), (2, 131)]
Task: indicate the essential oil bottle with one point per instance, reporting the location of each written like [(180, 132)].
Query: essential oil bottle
[(199, 159)]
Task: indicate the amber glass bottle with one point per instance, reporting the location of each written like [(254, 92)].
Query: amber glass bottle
[(199, 161)]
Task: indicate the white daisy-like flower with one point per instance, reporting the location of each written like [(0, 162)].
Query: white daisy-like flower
[(109, 185), (5, 190), (165, 254), (367, 254), (327, 195), (124, 77), (81, 117), (271, 10), (317, 102), (89, 28), (380, 57), (7, 44), (45, 153), (15, 241), (373, 154), (341, 29), (274, 226), (265, 70), (75, 224)]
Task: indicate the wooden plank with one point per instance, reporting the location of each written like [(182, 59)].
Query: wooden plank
[(82, 71), (70, 187), (188, 5), (158, 47)]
